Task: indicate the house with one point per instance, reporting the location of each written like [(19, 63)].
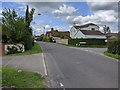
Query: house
[(112, 36), (55, 33), (89, 30), (58, 35)]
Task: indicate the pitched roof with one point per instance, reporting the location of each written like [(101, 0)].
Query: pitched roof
[(91, 32), (85, 25)]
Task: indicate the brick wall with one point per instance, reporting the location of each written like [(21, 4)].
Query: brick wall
[(2, 50)]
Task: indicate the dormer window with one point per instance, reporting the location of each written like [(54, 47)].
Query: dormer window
[(93, 29)]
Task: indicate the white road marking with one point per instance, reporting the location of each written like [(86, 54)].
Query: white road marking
[(61, 84), (44, 64)]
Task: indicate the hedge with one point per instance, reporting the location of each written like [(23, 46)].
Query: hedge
[(114, 47), (88, 41)]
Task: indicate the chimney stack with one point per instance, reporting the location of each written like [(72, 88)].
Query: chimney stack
[(52, 29)]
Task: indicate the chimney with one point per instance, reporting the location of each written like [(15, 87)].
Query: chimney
[(52, 29)]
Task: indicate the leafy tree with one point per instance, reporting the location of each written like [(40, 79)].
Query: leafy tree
[(106, 29), (17, 29), (8, 22)]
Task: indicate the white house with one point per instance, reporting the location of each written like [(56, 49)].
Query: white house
[(89, 30)]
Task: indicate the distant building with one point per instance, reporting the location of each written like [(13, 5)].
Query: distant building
[(55, 33), (89, 30)]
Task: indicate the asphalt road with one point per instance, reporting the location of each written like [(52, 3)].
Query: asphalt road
[(79, 67)]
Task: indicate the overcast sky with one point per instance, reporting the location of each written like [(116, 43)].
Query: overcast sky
[(62, 15)]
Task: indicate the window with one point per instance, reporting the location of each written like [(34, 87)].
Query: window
[(93, 28)]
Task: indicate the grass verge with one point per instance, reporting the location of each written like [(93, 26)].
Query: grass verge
[(21, 79), (112, 55), (35, 49)]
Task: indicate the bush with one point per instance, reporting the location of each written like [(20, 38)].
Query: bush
[(49, 39), (88, 41), (44, 38), (114, 47), (27, 40)]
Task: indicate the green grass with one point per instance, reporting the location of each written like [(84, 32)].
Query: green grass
[(11, 77), (36, 49), (112, 55)]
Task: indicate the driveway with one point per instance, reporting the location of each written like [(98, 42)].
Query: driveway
[(32, 63), (79, 67)]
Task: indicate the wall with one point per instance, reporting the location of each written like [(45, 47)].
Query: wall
[(73, 32), (62, 41), (79, 35), (20, 47), (95, 36)]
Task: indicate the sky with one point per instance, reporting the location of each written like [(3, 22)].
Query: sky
[(62, 15)]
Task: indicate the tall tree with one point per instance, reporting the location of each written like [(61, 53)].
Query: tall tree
[(106, 29), (29, 18)]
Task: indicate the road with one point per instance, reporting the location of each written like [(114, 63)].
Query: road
[(70, 67)]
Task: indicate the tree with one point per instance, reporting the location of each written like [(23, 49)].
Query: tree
[(29, 18), (28, 39), (8, 23), (106, 29), (17, 29)]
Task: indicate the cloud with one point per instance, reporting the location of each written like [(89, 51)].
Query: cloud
[(98, 17), (105, 12), (101, 17), (95, 6), (64, 10)]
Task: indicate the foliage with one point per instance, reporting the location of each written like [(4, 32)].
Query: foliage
[(17, 29), (106, 29), (88, 41), (29, 18), (114, 46), (8, 24), (116, 56), (41, 37), (45, 38)]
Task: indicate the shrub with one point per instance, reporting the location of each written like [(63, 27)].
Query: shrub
[(88, 41), (114, 47), (49, 39), (44, 38), (27, 40)]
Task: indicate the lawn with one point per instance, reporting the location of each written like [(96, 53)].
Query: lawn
[(36, 49), (112, 55), (21, 79)]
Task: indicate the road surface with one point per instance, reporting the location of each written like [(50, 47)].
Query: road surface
[(70, 67)]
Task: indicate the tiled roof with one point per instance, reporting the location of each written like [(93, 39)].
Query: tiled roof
[(91, 32), (85, 25)]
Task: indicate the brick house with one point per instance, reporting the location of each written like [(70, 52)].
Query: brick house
[(55, 33)]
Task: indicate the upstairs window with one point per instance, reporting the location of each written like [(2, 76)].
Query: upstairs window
[(93, 29)]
